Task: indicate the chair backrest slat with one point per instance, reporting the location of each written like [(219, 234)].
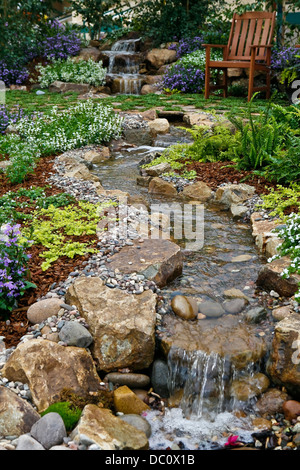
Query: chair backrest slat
[(248, 29)]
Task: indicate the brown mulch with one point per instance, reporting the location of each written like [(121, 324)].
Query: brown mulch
[(58, 272), (216, 173)]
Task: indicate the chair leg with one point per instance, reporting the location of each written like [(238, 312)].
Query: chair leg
[(251, 74), (207, 82)]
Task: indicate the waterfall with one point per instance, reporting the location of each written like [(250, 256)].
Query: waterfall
[(124, 65)]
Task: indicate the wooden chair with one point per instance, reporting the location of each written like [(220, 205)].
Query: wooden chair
[(249, 47)]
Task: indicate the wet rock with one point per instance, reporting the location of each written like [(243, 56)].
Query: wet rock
[(130, 379), (75, 334), (283, 363), (157, 170), (234, 306), (49, 430), (48, 367), (241, 258), (159, 378), (99, 426), (138, 422), (211, 309), (233, 194), (262, 423), (159, 126), (238, 210), (235, 294), (197, 191), (256, 315), (280, 313), (262, 232), (162, 187), (248, 387), (127, 402), (97, 156), (230, 338), (43, 309), (122, 325), (158, 260), (184, 307), (271, 402), (17, 416), (269, 278), (291, 409)]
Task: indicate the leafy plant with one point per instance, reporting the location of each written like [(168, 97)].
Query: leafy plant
[(13, 267), (281, 200)]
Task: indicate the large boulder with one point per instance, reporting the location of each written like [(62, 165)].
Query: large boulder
[(158, 260), (122, 325), (17, 416), (283, 363), (156, 58), (198, 191), (62, 87), (100, 427), (270, 278), (233, 194), (159, 186), (48, 368)]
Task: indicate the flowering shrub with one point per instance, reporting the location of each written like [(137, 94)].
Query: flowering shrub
[(8, 117), (285, 61), (187, 45), (188, 73), (13, 267), (83, 124), (89, 71), (290, 234)]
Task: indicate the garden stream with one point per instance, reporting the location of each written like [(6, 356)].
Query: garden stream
[(205, 412)]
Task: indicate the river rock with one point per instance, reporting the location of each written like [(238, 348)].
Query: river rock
[(231, 339), (97, 156), (241, 258), (291, 409), (99, 426), (48, 368), (235, 294), (130, 379), (159, 126), (233, 194), (198, 191), (17, 416), (26, 442), (184, 307), (245, 388), (283, 363), (159, 186), (156, 58), (212, 309), (158, 260), (122, 324), (157, 170), (271, 402), (49, 430), (280, 313), (43, 309), (159, 378), (256, 315), (127, 402), (234, 306), (75, 334), (270, 278), (138, 422), (238, 210)]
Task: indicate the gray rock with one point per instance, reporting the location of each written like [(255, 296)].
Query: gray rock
[(26, 442), (234, 306), (49, 430), (138, 422), (159, 378), (256, 315), (211, 309), (131, 380), (75, 334)]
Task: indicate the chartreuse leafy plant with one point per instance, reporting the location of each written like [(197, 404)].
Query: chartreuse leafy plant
[(69, 413), (56, 230), (281, 199)]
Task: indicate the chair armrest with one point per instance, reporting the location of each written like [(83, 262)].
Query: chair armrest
[(215, 45)]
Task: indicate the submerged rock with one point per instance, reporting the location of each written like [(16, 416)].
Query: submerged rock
[(184, 307)]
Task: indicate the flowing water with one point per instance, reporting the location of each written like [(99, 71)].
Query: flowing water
[(124, 65), (201, 377)]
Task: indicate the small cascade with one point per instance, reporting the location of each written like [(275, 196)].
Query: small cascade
[(124, 65), (202, 383)]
